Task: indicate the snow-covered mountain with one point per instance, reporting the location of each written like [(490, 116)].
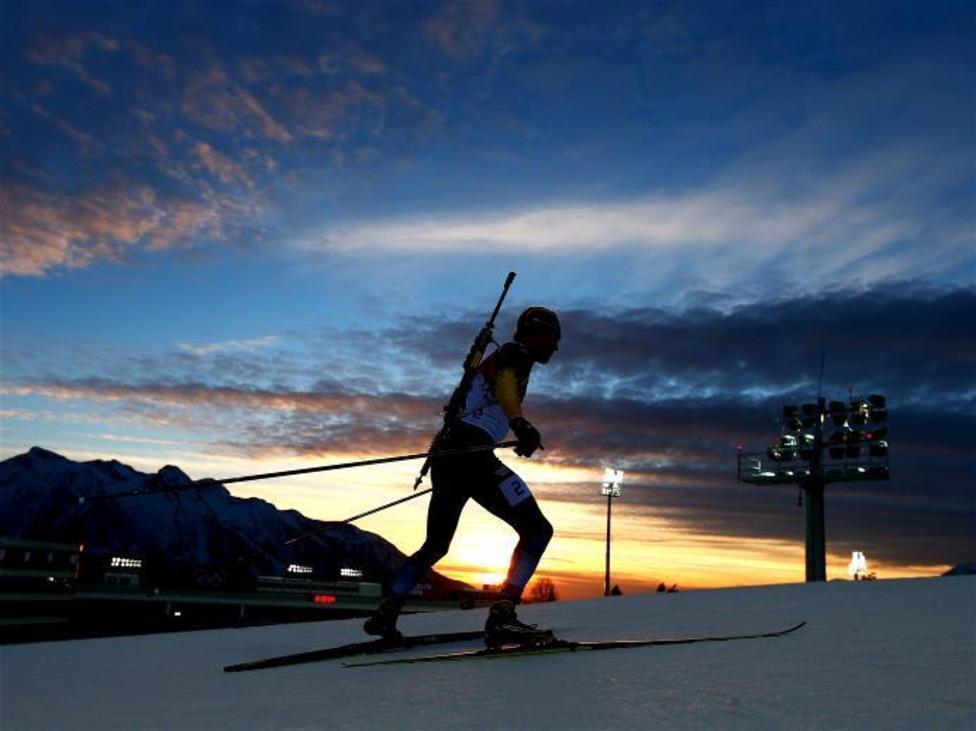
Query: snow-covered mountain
[(179, 534)]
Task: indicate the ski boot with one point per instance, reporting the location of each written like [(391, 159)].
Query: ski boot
[(504, 628), (383, 621)]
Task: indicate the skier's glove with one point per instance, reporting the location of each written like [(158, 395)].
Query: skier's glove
[(528, 436)]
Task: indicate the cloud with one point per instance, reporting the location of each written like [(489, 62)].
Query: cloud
[(222, 166), (851, 226), (679, 456), (463, 29), (214, 101), (85, 141), (69, 51), (44, 231), (327, 418), (353, 60), (249, 345)]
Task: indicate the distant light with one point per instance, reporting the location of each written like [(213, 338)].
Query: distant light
[(129, 563), (838, 412), (612, 480), (298, 569), (177, 613), (858, 567), (351, 573), (859, 412), (613, 477), (324, 599)]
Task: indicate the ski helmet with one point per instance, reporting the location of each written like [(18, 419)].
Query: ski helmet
[(538, 319)]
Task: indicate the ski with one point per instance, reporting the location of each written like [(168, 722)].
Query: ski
[(369, 647), (567, 646)]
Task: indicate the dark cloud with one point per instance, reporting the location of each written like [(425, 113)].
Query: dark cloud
[(893, 338)]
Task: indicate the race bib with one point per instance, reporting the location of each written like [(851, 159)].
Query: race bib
[(514, 489)]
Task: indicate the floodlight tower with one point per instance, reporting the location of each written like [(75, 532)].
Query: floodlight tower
[(798, 459), (612, 480)]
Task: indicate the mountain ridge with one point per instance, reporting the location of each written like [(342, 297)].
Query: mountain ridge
[(179, 533)]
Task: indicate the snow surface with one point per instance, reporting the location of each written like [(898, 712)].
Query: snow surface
[(876, 654)]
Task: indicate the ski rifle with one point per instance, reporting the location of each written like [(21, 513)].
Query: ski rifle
[(452, 411)]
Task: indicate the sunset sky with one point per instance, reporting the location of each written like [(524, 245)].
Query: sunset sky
[(251, 236)]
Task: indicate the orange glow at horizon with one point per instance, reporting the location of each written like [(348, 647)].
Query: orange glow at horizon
[(645, 550)]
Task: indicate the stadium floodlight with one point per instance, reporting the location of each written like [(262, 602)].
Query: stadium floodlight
[(878, 448), (838, 413), (859, 411), (835, 445), (810, 418), (791, 417), (299, 569), (612, 480), (858, 567), (807, 445)]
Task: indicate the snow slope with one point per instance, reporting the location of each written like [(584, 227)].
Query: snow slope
[(883, 654)]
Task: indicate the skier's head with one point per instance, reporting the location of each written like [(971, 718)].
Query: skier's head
[(538, 329)]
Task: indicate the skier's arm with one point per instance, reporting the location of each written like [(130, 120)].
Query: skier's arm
[(507, 393)]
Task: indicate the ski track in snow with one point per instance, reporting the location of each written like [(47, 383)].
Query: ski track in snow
[(895, 654)]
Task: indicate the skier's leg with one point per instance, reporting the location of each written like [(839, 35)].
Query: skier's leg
[(503, 625), (535, 532), (443, 514), (511, 500)]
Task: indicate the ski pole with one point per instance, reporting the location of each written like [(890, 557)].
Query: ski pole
[(328, 525), (211, 482), (333, 523)]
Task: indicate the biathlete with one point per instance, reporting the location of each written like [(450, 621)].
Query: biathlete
[(492, 406)]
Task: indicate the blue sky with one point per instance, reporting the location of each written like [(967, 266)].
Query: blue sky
[(268, 230)]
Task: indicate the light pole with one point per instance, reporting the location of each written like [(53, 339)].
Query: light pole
[(612, 479), (856, 449)]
